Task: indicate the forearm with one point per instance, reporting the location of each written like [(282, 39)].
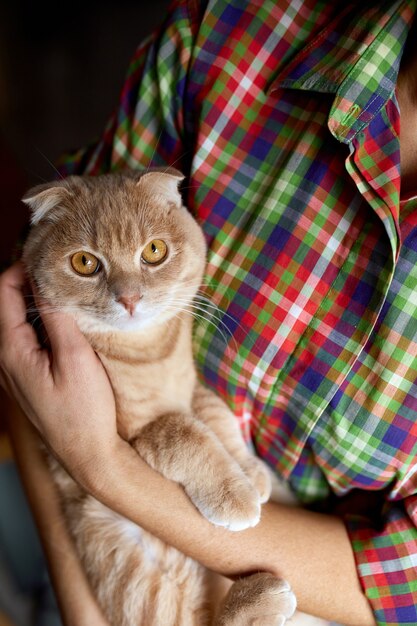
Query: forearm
[(77, 604), (310, 550)]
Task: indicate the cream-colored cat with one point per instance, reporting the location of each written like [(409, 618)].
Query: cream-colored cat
[(125, 258)]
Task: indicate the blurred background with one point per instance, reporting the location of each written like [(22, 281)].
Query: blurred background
[(61, 70)]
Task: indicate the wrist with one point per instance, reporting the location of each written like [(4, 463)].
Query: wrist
[(94, 467)]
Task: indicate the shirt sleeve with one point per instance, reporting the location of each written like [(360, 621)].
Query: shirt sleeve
[(147, 126), (386, 559)]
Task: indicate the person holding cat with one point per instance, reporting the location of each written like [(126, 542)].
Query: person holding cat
[(296, 126)]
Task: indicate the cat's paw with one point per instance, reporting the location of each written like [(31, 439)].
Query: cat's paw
[(275, 595), (233, 503), (278, 602), (259, 476), (259, 600)]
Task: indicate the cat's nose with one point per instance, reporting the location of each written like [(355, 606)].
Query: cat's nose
[(129, 302)]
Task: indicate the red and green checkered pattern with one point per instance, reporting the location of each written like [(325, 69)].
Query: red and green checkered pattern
[(284, 118)]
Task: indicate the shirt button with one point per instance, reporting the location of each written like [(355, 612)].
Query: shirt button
[(351, 115)]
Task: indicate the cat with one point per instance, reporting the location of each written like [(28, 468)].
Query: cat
[(125, 258)]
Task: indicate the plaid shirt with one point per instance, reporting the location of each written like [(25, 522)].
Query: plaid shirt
[(283, 115)]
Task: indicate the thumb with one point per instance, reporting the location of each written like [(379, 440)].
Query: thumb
[(12, 303), (65, 338), (72, 356)]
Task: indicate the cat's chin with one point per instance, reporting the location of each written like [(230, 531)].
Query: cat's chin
[(89, 324), (132, 324)]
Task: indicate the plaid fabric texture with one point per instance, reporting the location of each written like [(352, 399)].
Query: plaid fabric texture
[(283, 116)]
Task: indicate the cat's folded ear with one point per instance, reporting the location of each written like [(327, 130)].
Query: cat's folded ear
[(164, 183), (43, 198)]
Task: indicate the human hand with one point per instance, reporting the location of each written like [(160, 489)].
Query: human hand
[(64, 390)]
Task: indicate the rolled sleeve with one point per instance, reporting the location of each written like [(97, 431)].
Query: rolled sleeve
[(387, 563)]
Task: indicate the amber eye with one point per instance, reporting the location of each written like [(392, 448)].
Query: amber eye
[(155, 252), (85, 263)]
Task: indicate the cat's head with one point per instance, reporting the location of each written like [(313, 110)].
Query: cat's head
[(115, 251)]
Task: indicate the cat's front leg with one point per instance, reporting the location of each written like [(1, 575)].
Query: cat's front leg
[(187, 451), (214, 413)]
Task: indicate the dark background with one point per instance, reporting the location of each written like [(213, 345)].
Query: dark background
[(61, 68)]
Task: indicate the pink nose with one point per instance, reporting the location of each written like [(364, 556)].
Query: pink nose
[(129, 302)]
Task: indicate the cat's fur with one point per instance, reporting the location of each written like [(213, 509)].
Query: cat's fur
[(136, 316)]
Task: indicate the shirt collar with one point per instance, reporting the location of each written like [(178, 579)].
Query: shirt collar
[(357, 58)]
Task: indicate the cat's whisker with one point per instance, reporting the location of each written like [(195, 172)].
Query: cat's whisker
[(181, 156), (58, 308), (220, 325), (186, 307), (49, 162), (35, 320), (209, 303), (196, 305), (190, 187), (201, 317), (164, 171), (35, 315), (194, 302), (154, 151), (222, 313), (210, 315), (215, 322), (217, 312)]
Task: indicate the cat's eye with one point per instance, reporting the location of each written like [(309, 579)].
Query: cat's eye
[(154, 252), (85, 263)]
